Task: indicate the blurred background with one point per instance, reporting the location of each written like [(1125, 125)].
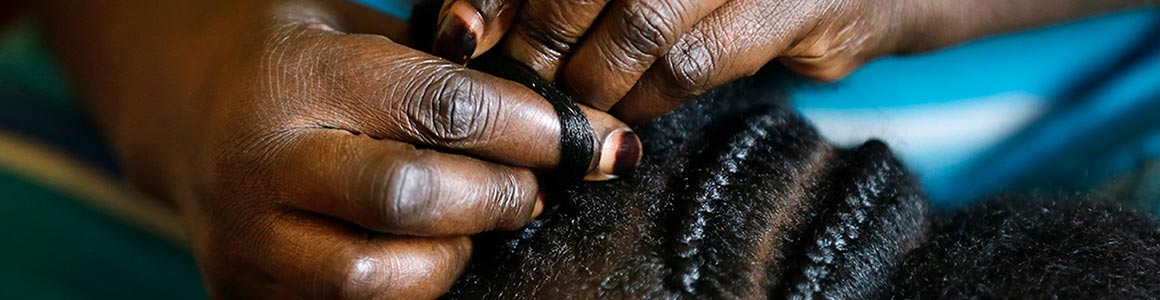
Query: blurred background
[(1072, 107)]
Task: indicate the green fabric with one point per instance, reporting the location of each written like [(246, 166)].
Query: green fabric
[(26, 62), (54, 247)]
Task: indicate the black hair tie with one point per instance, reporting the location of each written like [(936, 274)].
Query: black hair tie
[(576, 134)]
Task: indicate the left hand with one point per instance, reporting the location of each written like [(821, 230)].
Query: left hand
[(311, 153), (641, 58)]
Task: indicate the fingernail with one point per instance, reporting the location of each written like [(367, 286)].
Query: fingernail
[(456, 41), (539, 208), (619, 156)]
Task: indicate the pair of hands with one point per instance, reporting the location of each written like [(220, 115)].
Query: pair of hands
[(345, 165), (315, 155), (323, 158), (638, 59)]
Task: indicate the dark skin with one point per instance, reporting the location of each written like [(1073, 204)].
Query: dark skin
[(638, 59), (315, 155), (311, 153)]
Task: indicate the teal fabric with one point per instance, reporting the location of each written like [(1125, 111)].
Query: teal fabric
[(25, 63), (56, 248), (37, 102), (51, 245), (397, 8)]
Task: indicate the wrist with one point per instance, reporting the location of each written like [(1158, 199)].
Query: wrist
[(924, 25), (931, 24)]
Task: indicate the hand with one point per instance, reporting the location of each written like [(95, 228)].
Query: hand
[(641, 58), (312, 160)]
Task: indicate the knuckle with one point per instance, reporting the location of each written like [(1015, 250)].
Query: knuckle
[(503, 202), (365, 278), (508, 203), (549, 40), (547, 26), (406, 274), (555, 25), (456, 112), (409, 192), (690, 67), (648, 27)]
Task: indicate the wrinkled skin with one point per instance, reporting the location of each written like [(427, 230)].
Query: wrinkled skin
[(639, 59), (311, 153), (314, 155)]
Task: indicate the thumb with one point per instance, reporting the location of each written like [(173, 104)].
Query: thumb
[(468, 28)]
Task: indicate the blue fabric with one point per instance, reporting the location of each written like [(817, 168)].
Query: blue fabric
[(1000, 114), (56, 248), (397, 8)]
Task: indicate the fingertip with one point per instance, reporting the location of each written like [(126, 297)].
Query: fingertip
[(628, 152), (498, 18), (460, 30), (469, 28), (619, 156), (618, 148), (539, 208)]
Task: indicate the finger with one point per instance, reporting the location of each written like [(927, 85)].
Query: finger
[(628, 39), (468, 28), (392, 187), (392, 92), (546, 32), (319, 258), (735, 41)]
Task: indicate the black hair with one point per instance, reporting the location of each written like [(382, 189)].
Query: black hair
[(1036, 246), (738, 197)]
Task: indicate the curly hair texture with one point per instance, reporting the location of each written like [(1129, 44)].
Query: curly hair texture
[(738, 197)]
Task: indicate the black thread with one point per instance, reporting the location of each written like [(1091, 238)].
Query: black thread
[(576, 135)]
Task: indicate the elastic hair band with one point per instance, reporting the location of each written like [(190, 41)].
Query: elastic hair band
[(576, 135)]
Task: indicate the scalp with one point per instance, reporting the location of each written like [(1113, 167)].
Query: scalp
[(737, 197)]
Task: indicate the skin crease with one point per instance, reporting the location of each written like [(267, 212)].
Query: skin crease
[(314, 155), (639, 59)]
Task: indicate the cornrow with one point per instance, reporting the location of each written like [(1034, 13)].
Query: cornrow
[(711, 199), (719, 174), (872, 214), (737, 197)]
